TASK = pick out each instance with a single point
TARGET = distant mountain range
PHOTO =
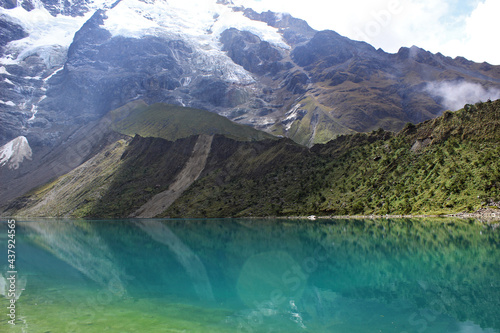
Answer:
(170, 70)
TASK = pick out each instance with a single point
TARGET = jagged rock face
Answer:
(327, 46)
(247, 50)
(295, 31)
(102, 73)
(10, 31)
(8, 4)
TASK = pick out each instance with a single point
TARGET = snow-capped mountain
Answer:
(155, 50)
(65, 63)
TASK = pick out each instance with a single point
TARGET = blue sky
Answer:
(466, 28)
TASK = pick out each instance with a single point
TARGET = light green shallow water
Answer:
(231, 275)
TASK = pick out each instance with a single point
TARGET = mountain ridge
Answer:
(445, 165)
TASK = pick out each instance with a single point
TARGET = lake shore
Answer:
(484, 214)
(488, 214)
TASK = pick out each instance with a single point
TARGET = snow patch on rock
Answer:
(48, 36)
(8, 103)
(14, 152)
(292, 115)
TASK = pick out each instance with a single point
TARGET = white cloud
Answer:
(455, 95)
(472, 36)
(452, 27)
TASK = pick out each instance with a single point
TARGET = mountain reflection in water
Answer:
(237, 275)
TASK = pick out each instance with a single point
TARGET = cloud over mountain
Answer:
(456, 94)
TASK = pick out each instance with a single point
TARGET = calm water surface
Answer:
(232, 275)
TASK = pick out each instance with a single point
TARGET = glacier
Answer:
(198, 23)
(204, 21)
(48, 36)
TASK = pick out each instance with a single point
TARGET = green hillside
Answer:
(449, 164)
(172, 122)
(446, 165)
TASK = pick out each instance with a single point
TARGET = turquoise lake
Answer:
(241, 275)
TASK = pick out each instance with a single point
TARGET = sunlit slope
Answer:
(172, 122)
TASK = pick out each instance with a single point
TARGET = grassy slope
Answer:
(173, 122)
(113, 184)
(374, 173)
(77, 192)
